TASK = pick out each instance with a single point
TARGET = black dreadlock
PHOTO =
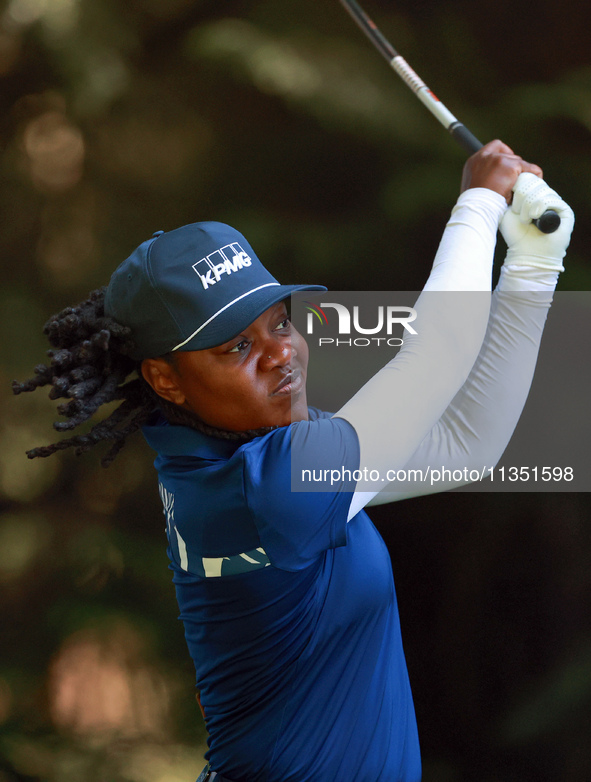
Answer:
(90, 367)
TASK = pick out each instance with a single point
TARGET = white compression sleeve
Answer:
(475, 429)
(477, 426)
(395, 410)
(464, 258)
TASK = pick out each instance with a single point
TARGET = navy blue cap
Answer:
(192, 289)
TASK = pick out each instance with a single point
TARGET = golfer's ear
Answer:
(163, 378)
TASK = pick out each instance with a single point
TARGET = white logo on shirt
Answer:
(167, 498)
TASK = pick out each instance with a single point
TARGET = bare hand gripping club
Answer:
(550, 220)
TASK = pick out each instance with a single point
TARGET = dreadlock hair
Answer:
(90, 366)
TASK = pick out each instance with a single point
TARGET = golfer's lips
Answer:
(290, 384)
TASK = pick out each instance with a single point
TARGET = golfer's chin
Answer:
(293, 408)
(270, 411)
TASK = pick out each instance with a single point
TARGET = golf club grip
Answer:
(548, 222)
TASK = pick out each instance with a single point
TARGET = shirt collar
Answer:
(168, 440)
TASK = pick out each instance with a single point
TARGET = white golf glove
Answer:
(533, 257)
(527, 245)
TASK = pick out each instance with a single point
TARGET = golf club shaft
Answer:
(550, 220)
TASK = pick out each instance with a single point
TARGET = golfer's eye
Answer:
(285, 324)
(239, 347)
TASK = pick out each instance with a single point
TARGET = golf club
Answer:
(550, 220)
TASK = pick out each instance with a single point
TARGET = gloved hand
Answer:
(527, 246)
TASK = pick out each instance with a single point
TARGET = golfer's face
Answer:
(257, 379)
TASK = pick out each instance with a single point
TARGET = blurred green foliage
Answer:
(119, 119)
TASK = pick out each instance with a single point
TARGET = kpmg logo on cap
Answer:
(226, 260)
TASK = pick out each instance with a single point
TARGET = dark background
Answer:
(122, 118)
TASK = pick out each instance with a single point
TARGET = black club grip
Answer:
(548, 222)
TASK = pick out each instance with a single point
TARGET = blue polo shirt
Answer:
(289, 611)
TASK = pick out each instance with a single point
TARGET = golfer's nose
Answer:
(276, 352)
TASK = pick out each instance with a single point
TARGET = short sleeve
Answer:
(296, 527)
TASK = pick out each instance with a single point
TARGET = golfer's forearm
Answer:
(475, 429)
(464, 258)
(397, 408)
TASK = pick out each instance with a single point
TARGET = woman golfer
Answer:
(287, 598)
